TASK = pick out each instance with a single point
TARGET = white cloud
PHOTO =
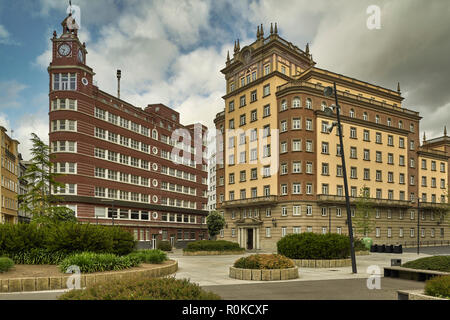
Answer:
(10, 92)
(5, 37)
(27, 124)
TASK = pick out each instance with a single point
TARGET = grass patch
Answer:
(436, 263)
(141, 288)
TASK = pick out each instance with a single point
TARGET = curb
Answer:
(264, 274)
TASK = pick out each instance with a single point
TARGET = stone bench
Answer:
(412, 274)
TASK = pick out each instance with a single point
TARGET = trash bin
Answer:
(372, 248)
(381, 248)
(396, 262)
(389, 249)
(367, 242)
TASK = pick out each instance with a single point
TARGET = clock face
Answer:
(85, 81)
(80, 56)
(64, 49)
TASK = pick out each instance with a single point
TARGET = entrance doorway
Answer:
(154, 241)
(172, 241)
(249, 239)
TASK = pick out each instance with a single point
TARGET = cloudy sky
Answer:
(171, 51)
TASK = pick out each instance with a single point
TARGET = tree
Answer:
(443, 208)
(215, 223)
(40, 180)
(363, 221)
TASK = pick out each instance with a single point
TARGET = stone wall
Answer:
(264, 274)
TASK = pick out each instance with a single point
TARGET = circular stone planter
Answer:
(264, 274)
(211, 253)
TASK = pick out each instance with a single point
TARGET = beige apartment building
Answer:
(9, 178)
(281, 171)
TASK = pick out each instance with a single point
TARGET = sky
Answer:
(171, 52)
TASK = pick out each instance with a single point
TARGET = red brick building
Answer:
(116, 158)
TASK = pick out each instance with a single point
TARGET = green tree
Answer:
(38, 201)
(443, 208)
(363, 220)
(215, 223)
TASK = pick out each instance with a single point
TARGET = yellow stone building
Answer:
(281, 170)
(9, 178)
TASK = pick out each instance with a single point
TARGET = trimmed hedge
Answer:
(51, 243)
(89, 262)
(438, 287)
(141, 288)
(311, 245)
(264, 261)
(213, 245)
(359, 245)
(164, 246)
(149, 256)
(6, 264)
(437, 263)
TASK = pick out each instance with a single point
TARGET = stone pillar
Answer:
(254, 238)
(239, 236)
(257, 238)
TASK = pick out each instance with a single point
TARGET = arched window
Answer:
(296, 102)
(323, 105)
(308, 103)
(377, 119)
(283, 105)
(389, 122)
(155, 134)
(365, 116)
(400, 124)
(352, 113)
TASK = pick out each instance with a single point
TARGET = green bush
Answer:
(359, 245)
(437, 263)
(212, 245)
(5, 264)
(264, 261)
(50, 243)
(38, 256)
(149, 256)
(438, 287)
(310, 245)
(164, 246)
(141, 288)
(89, 262)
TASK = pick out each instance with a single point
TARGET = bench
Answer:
(412, 274)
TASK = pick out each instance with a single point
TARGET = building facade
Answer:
(9, 176)
(281, 171)
(212, 182)
(116, 159)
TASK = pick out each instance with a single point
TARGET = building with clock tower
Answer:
(115, 159)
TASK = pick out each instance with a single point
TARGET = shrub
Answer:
(212, 245)
(164, 246)
(438, 263)
(359, 245)
(438, 287)
(141, 288)
(37, 256)
(6, 264)
(314, 246)
(149, 256)
(97, 262)
(264, 261)
(50, 243)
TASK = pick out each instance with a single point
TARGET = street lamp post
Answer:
(328, 92)
(418, 225)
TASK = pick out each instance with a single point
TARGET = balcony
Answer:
(327, 199)
(250, 202)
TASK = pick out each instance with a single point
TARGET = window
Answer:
(365, 117)
(266, 111)
(309, 125)
(309, 210)
(309, 146)
(268, 232)
(296, 123)
(366, 174)
(283, 126)
(296, 210)
(353, 132)
(390, 158)
(253, 96)
(378, 137)
(353, 152)
(297, 167)
(296, 145)
(266, 90)
(308, 103)
(284, 168)
(64, 81)
(283, 211)
(377, 119)
(390, 140)
(254, 173)
(231, 123)
(296, 188)
(325, 148)
(366, 135)
(367, 154)
(309, 188)
(352, 113)
(353, 173)
(283, 105)
(253, 116)
(401, 143)
(325, 169)
(242, 119)
(309, 167)
(296, 102)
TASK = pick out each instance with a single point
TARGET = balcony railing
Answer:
(379, 202)
(250, 201)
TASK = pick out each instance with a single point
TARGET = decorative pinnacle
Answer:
(257, 33)
(398, 87)
(228, 56)
(276, 29)
(424, 137)
(262, 31)
(307, 48)
(271, 28)
(54, 34)
(445, 130)
(238, 46)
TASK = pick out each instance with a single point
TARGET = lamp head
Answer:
(328, 91)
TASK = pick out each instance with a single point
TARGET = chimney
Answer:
(119, 74)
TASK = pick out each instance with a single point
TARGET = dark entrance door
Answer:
(249, 239)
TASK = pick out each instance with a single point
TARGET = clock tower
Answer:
(68, 70)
